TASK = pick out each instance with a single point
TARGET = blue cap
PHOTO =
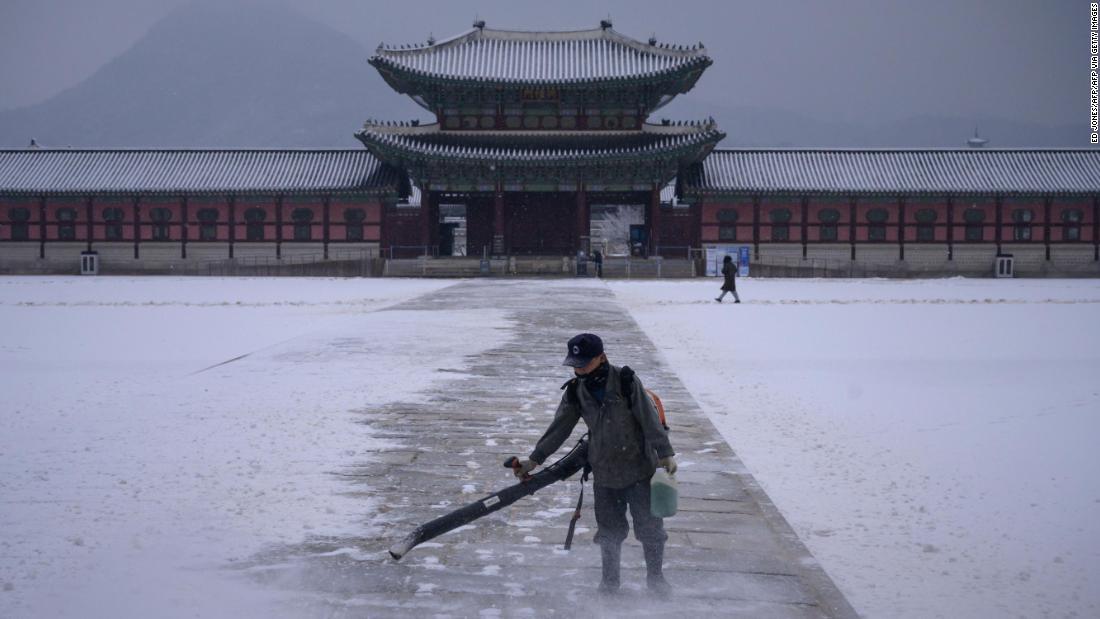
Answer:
(582, 349)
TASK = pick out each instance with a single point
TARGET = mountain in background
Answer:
(216, 75)
(246, 75)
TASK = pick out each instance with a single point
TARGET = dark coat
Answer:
(729, 271)
(624, 442)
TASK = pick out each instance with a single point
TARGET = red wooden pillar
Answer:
(279, 227)
(42, 227)
(1096, 228)
(1046, 227)
(326, 203)
(88, 225)
(654, 218)
(426, 202)
(901, 227)
(756, 229)
(498, 221)
(183, 228)
(232, 224)
(950, 228)
(997, 204)
(697, 223)
(584, 232)
(852, 200)
(803, 227)
(137, 227)
(433, 225)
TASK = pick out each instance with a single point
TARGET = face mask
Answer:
(597, 378)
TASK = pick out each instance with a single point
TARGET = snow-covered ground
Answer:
(933, 442)
(129, 471)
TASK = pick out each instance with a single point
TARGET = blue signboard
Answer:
(743, 261)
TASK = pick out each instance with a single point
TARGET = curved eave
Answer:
(394, 150)
(404, 79)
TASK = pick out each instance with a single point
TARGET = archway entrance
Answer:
(618, 224)
(452, 230)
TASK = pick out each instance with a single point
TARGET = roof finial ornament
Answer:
(653, 39)
(478, 22)
(976, 142)
(605, 24)
(33, 144)
(431, 38)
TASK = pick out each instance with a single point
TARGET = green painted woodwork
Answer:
(642, 94)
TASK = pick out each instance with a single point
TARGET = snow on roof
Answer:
(553, 57)
(137, 171)
(913, 170)
(419, 143)
(668, 193)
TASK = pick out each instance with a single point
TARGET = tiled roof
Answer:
(648, 135)
(190, 171)
(428, 141)
(878, 171)
(668, 193)
(540, 57)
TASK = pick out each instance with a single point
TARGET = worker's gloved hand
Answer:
(525, 466)
(668, 464)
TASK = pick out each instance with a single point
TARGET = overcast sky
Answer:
(850, 61)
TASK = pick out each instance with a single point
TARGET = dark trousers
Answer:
(611, 505)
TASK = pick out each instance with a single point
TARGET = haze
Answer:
(857, 62)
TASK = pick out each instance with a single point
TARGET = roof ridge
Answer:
(930, 149)
(586, 34)
(180, 150)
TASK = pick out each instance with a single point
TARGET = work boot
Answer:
(719, 299)
(654, 570)
(610, 554)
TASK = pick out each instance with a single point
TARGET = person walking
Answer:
(729, 271)
(598, 259)
(627, 442)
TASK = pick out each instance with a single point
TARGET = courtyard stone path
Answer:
(730, 553)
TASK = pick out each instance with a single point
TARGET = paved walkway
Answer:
(730, 553)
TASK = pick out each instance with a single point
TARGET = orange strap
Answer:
(660, 407)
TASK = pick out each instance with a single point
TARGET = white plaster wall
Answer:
(313, 250)
(254, 250)
(206, 250)
(18, 251)
(976, 258)
(121, 253)
(161, 251)
(832, 252)
(780, 253)
(931, 257)
(58, 251)
(886, 253)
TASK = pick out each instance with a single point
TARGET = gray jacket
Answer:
(624, 442)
